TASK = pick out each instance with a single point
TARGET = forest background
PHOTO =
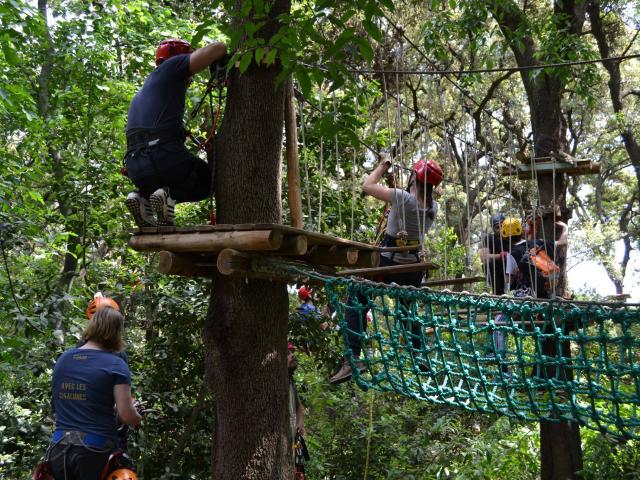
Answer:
(68, 70)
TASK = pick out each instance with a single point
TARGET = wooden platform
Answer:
(525, 171)
(198, 250)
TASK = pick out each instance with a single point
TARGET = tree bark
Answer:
(615, 84)
(245, 334)
(560, 445)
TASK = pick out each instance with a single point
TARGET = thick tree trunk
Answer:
(560, 445)
(246, 328)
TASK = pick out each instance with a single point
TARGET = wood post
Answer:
(184, 264)
(332, 255)
(293, 165)
(251, 240)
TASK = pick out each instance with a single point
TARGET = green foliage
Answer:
(65, 86)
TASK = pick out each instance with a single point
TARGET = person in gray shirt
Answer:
(412, 214)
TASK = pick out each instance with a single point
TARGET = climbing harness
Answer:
(301, 455)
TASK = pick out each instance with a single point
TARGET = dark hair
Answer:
(424, 192)
(105, 329)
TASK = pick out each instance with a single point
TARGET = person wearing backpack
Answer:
(534, 256)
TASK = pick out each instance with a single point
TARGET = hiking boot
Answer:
(164, 206)
(345, 372)
(140, 209)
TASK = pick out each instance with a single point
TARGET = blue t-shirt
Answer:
(307, 310)
(82, 386)
(159, 104)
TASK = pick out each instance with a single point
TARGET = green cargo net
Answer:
(524, 358)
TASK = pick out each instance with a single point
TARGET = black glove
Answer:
(218, 69)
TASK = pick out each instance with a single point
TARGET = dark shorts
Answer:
(170, 165)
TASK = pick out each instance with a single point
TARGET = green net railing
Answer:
(524, 358)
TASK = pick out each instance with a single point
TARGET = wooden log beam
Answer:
(213, 242)
(373, 272)
(333, 255)
(453, 281)
(232, 261)
(367, 259)
(293, 245)
(184, 264)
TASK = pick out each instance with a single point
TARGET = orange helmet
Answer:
(100, 302)
(123, 474)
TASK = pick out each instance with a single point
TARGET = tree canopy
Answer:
(475, 85)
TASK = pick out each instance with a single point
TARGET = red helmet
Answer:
(291, 347)
(122, 474)
(100, 302)
(170, 48)
(428, 171)
(304, 293)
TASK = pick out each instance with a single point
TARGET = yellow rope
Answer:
(366, 465)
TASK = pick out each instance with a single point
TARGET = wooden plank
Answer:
(315, 238)
(453, 281)
(260, 240)
(373, 272)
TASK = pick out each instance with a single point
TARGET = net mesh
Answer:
(524, 358)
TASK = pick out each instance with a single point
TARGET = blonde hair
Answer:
(105, 329)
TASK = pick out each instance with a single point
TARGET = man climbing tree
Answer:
(157, 161)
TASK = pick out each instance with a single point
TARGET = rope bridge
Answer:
(524, 358)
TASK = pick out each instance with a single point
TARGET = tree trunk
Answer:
(560, 445)
(63, 197)
(615, 84)
(246, 328)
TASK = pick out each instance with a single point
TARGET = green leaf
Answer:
(259, 55)
(365, 49)
(271, 56)
(9, 53)
(36, 196)
(245, 61)
(373, 30)
(305, 82)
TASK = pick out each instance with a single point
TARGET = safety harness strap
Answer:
(140, 138)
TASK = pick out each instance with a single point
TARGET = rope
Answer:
(453, 359)
(321, 172)
(475, 71)
(369, 435)
(306, 161)
(521, 381)
(6, 269)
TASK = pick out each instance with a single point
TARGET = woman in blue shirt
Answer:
(87, 382)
